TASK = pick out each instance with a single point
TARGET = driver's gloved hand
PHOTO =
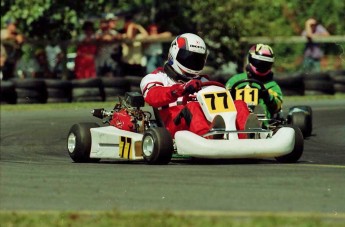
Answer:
(190, 87)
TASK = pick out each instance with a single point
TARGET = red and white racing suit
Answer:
(157, 92)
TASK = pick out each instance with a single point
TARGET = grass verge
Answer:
(166, 219)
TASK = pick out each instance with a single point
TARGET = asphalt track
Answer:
(38, 174)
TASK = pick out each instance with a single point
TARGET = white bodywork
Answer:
(112, 143)
(107, 144)
(190, 144)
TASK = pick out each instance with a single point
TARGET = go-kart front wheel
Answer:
(79, 142)
(157, 146)
(297, 151)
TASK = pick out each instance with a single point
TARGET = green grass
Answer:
(167, 219)
(110, 104)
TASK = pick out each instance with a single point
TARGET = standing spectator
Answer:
(85, 64)
(312, 52)
(3, 56)
(154, 50)
(133, 58)
(41, 67)
(117, 51)
(108, 41)
(12, 41)
(55, 58)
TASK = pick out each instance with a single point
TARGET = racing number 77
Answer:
(125, 147)
(213, 98)
(218, 102)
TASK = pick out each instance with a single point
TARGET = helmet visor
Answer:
(261, 66)
(191, 60)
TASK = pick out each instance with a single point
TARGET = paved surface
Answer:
(37, 173)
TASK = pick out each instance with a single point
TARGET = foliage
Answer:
(220, 22)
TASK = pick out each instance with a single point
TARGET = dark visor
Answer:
(191, 60)
(261, 66)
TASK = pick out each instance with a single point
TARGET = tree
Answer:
(220, 22)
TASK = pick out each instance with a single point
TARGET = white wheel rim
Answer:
(148, 145)
(71, 142)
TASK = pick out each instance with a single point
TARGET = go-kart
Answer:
(150, 141)
(250, 90)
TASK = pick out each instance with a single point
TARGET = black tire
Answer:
(8, 92)
(340, 79)
(87, 90)
(134, 80)
(79, 142)
(81, 94)
(303, 121)
(91, 82)
(297, 151)
(320, 76)
(58, 90)
(307, 109)
(339, 88)
(30, 90)
(115, 87)
(292, 92)
(118, 82)
(318, 86)
(157, 146)
(58, 84)
(135, 88)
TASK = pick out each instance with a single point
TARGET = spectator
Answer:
(12, 41)
(3, 56)
(154, 50)
(85, 64)
(41, 67)
(55, 58)
(108, 42)
(312, 52)
(117, 52)
(133, 58)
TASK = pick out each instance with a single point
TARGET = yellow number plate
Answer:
(218, 102)
(125, 147)
(248, 95)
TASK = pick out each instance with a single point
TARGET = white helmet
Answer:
(187, 55)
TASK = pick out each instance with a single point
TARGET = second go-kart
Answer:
(147, 139)
(249, 90)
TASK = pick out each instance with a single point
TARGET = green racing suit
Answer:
(272, 103)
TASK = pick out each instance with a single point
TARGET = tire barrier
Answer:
(58, 90)
(318, 84)
(134, 82)
(109, 88)
(30, 91)
(114, 87)
(338, 79)
(87, 90)
(8, 92)
(291, 84)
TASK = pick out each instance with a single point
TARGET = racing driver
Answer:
(259, 67)
(165, 87)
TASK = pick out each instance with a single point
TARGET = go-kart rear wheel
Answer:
(157, 146)
(297, 151)
(303, 121)
(79, 142)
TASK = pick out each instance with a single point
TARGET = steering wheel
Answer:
(250, 82)
(203, 84)
(210, 83)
